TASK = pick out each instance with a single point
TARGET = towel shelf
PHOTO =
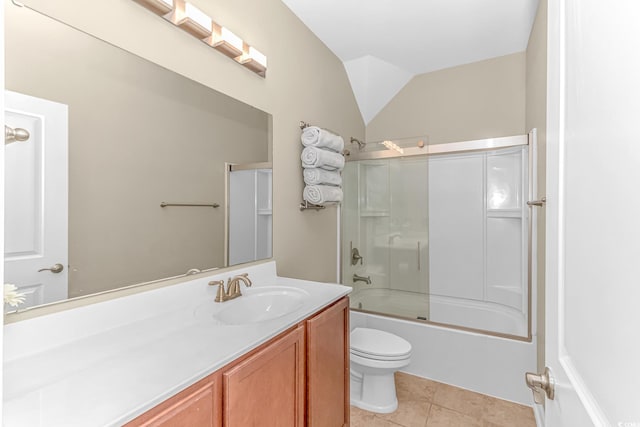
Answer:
(325, 156)
(212, 205)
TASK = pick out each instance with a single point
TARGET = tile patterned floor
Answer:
(426, 403)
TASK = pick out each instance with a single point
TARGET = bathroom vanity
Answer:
(302, 374)
(172, 356)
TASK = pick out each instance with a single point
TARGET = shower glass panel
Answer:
(386, 220)
(440, 238)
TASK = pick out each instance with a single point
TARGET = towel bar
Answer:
(306, 205)
(213, 205)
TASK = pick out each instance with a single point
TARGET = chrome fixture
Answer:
(366, 280)
(538, 203)
(17, 134)
(233, 287)
(56, 268)
(361, 144)
(541, 385)
(355, 256)
(212, 205)
(306, 205)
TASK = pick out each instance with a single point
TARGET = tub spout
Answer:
(366, 280)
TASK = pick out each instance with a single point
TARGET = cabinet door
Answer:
(267, 389)
(199, 405)
(328, 367)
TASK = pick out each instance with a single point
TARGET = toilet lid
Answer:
(378, 344)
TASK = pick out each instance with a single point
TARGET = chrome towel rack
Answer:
(212, 205)
(306, 205)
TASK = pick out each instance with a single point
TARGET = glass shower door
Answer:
(385, 236)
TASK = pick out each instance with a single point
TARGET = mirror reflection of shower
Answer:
(440, 232)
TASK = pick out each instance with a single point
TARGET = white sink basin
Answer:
(255, 305)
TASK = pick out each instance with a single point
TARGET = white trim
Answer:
(588, 401)
(538, 413)
(338, 244)
(2, 191)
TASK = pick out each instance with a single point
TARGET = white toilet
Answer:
(375, 356)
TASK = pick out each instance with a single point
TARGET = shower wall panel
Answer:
(456, 226)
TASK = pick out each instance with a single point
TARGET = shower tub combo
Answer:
(436, 242)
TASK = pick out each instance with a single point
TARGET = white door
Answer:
(36, 199)
(593, 213)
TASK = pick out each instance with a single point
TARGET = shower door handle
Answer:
(538, 203)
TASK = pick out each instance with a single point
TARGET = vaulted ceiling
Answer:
(384, 43)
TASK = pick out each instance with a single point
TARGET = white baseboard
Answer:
(538, 412)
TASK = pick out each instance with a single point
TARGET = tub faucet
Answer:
(233, 287)
(366, 280)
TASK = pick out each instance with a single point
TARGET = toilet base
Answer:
(373, 393)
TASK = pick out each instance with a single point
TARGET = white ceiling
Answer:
(384, 43)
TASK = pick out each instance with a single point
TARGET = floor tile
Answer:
(443, 417)
(502, 413)
(360, 418)
(410, 387)
(460, 400)
(410, 413)
(426, 403)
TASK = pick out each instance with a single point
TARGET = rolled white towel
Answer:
(313, 157)
(315, 176)
(313, 136)
(320, 194)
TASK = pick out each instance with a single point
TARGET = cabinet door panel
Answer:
(328, 367)
(267, 389)
(199, 405)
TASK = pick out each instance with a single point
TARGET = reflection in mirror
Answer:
(135, 135)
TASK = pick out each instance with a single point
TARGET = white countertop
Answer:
(105, 364)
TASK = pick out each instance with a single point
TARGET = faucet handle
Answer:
(355, 256)
(220, 295)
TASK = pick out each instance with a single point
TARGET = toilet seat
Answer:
(378, 357)
(378, 345)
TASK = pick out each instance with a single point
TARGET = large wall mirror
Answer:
(112, 136)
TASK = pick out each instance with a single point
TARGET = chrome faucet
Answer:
(366, 280)
(233, 287)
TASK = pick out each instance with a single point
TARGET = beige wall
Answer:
(479, 100)
(536, 117)
(305, 81)
(139, 135)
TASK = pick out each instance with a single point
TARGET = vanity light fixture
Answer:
(226, 42)
(160, 7)
(197, 23)
(255, 61)
(192, 20)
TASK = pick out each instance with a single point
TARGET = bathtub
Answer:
(486, 316)
(487, 364)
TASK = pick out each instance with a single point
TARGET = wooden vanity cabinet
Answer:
(328, 366)
(267, 389)
(198, 405)
(299, 378)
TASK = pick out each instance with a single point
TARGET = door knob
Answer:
(57, 268)
(541, 385)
